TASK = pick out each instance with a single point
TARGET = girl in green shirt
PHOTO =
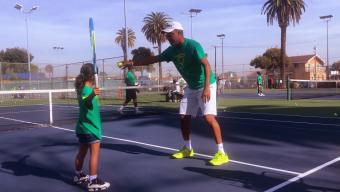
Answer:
(88, 129)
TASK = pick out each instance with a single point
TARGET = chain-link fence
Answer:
(61, 76)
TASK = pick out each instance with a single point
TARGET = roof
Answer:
(303, 59)
(300, 59)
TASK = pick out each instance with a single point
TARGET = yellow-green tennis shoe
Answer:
(183, 153)
(219, 159)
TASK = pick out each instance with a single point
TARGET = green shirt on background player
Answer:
(130, 79)
(259, 80)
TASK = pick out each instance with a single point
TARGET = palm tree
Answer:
(49, 71)
(154, 23)
(120, 40)
(285, 12)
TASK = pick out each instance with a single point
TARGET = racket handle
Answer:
(96, 80)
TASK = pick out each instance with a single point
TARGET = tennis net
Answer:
(307, 89)
(58, 107)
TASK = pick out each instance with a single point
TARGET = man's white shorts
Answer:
(192, 101)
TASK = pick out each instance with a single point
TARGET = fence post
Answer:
(0, 76)
(103, 75)
(289, 91)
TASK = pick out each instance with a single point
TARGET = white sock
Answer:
(92, 177)
(121, 108)
(136, 109)
(220, 147)
(188, 144)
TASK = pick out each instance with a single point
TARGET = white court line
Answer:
(242, 118)
(270, 120)
(160, 147)
(302, 175)
(12, 112)
(282, 121)
(280, 115)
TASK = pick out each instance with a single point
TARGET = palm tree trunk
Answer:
(282, 54)
(125, 60)
(160, 63)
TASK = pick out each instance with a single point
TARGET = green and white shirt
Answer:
(89, 118)
(259, 80)
(187, 59)
(130, 79)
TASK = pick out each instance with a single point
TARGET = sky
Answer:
(64, 23)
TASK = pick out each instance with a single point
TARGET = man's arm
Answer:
(146, 61)
(206, 89)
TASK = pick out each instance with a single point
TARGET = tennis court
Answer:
(269, 152)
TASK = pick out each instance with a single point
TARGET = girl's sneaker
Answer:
(80, 179)
(98, 185)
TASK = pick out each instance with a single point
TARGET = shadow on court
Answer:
(22, 168)
(125, 148)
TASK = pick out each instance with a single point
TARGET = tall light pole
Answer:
(126, 34)
(57, 49)
(222, 36)
(327, 18)
(215, 47)
(193, 13)
(21, 9)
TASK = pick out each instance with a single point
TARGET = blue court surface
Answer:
(268, 152)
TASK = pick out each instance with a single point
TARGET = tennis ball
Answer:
(120, 64)
(335, 114)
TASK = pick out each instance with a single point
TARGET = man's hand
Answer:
(206, 95)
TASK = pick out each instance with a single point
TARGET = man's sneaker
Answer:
(80, 179)
(97, 185)
(184, 152)
(219, 159)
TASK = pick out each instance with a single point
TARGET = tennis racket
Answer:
(93, 46)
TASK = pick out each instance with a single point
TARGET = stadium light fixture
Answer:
(327, 18)
(20, 8)
(193, 13)
(222, 36)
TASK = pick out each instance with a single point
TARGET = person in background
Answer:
(131, 93)
(259, 83)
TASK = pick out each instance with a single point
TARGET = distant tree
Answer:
(120, 39)
(140, 53)
(154, 23)
(15, 61)
(269, 60)
(49, 70)
(1, 55)
(336, 66)
(285, 12)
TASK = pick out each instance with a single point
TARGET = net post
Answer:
(50, 104)
(289, 91)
